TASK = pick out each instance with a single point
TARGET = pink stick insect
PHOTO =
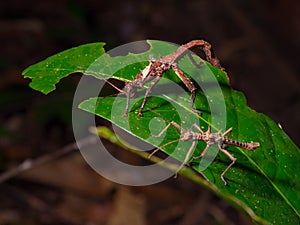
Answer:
(157, 67)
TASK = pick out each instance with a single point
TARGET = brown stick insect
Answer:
(219, 139)
(157, 67)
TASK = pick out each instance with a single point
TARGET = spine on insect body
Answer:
(249, 146)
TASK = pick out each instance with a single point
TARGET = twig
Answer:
(31, 163)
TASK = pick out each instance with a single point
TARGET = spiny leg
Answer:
(189, 84)
(227, 132)
(190, 151)
(163, 131)
(202, 154)
(230, 165)
(157, 149)
(198, 128)
(137, 82)
(153, 83)
(127, 102)
(172, 123)
(176, 125)
(187, 157)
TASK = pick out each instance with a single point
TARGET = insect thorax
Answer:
(214, 138)
(187, 136)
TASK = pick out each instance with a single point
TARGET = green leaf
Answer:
(46, 74)
(264, 183)
(106, 133)
(264, 179)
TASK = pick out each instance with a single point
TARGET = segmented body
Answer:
(249, 146)
(209, 138)
(156, 68)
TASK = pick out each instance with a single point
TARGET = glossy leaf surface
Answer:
(265, 182)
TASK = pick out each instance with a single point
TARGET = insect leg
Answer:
(157, 149)
(163, 131)
(187, 157)
(189, 84)
(128, 96)
(172, 123)
(230, 165)
(153, 83)
(198, 128)
(227, 132)
(202, 154)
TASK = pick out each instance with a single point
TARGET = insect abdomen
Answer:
(248, 146)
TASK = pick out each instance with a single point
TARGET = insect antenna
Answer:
(121, 92)
(115, 87)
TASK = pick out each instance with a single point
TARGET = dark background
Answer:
(256, 41)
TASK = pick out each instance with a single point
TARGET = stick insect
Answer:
(219, 139)
(157, 67)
